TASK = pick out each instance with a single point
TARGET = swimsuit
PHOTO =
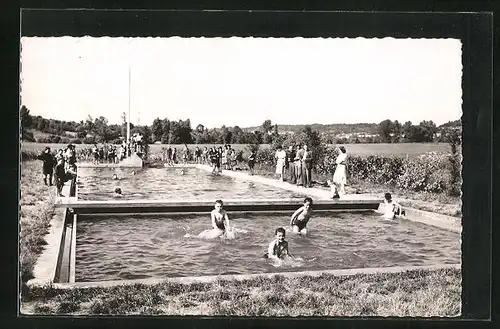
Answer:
(220, 223)
(300, 222)
(279, 250)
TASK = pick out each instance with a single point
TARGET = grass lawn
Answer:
(36, 211)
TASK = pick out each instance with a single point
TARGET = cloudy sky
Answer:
(243, 81)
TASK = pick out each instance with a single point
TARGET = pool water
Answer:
(118, 247)
(169, 183)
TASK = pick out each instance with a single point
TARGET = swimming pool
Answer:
(122, 247)
(169, 183)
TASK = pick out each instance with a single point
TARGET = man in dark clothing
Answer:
(62, 176)
(48, 165)
(290, 165)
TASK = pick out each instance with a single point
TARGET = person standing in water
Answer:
(301, 216)
(278, 248)
(392, 208)
(220, 223)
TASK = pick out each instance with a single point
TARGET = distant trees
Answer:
(165, 131)
(394, 132)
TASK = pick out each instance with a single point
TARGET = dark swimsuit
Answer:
(279, 250)
(300, 223)
(220, 224)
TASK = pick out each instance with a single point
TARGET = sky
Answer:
(243, 81)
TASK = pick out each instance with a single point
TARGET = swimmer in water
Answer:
(392, 208)
(278, 248)
(182, 172)
(115, 177)
(133, 172)
(301, 216)
(118, 192)
(220, 222)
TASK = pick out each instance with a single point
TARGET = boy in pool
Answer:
(278, 248)
(301, 216)
(118, 192)
(392, 208)
(220, 222)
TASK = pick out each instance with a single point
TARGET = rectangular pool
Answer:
(169, 183)
(123, 247)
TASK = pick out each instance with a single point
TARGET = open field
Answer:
(399, 149)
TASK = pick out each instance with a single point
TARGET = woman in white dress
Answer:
(340, 176)
(280, 162)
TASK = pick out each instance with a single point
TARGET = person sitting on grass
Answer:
(392, 208)
(301, 216)
(278, 248)
(220, 223)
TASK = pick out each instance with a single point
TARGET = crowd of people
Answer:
(218, 157)
(293, 165)
(58, 167)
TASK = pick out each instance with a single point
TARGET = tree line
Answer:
(99, 130)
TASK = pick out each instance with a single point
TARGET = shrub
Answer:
(418, 173)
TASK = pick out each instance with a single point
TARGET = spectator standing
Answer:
(291, 165)
(307, 159)
(48, 165)
(298, 163)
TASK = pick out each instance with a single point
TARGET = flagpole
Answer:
(128, 119)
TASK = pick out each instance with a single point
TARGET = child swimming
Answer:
(392, 208)
(301, 216)
(220, 223)
(278, 248)
(118, 192)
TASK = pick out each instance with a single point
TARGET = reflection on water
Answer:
(168, 183)
(128, 247)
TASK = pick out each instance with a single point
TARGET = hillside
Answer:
(337, 128)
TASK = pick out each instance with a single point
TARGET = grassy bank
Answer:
(413, 293)
(36, 211)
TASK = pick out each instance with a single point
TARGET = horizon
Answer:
(256, 126)
(237, 80)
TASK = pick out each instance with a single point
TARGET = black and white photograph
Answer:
(241, 176)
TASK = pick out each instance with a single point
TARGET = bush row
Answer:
(52, 139)
(430, 172)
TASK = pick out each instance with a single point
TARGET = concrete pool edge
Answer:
(212, 278)
(47, 264)
(441, 221)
